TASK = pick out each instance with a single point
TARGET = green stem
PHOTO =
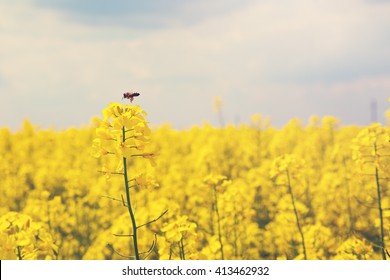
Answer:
(348, 198)
(296, 215)
(218, 222)
(212, 207)
(170, 252)
(128, 200)
(20, 253)
(183, 257)
(235, 246)
(378, 188)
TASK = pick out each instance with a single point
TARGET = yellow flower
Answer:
(21, 238)
(114, 109)
(287, 162)
(151, 157)
(144, 180)
(175, 230)
(124, 132)
(106, 172)
(97, 149)
(371, 147)
(103, 133)
(214, 179)
(354, 249)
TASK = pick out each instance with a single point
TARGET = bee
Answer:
(130, 95)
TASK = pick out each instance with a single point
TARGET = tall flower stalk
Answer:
(284, 167)
(372, 154)
(124, 133)
(296, 214)
(176, 233)
(218, 185)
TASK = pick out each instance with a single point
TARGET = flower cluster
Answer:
(181, 239)
(23, 239)
(175, 231)
(287, 163)
(372, 148)
(124, 132)
(354, 249)
(217, 182)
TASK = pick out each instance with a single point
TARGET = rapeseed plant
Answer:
(288, 166)
(218, 184)
(372, 154)
(124, 133)
(180, 233)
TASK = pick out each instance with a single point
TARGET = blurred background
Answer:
(63, 61)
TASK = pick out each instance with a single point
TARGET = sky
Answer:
(63, 61)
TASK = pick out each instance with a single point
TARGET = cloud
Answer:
(280, 58)
(144, 14)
